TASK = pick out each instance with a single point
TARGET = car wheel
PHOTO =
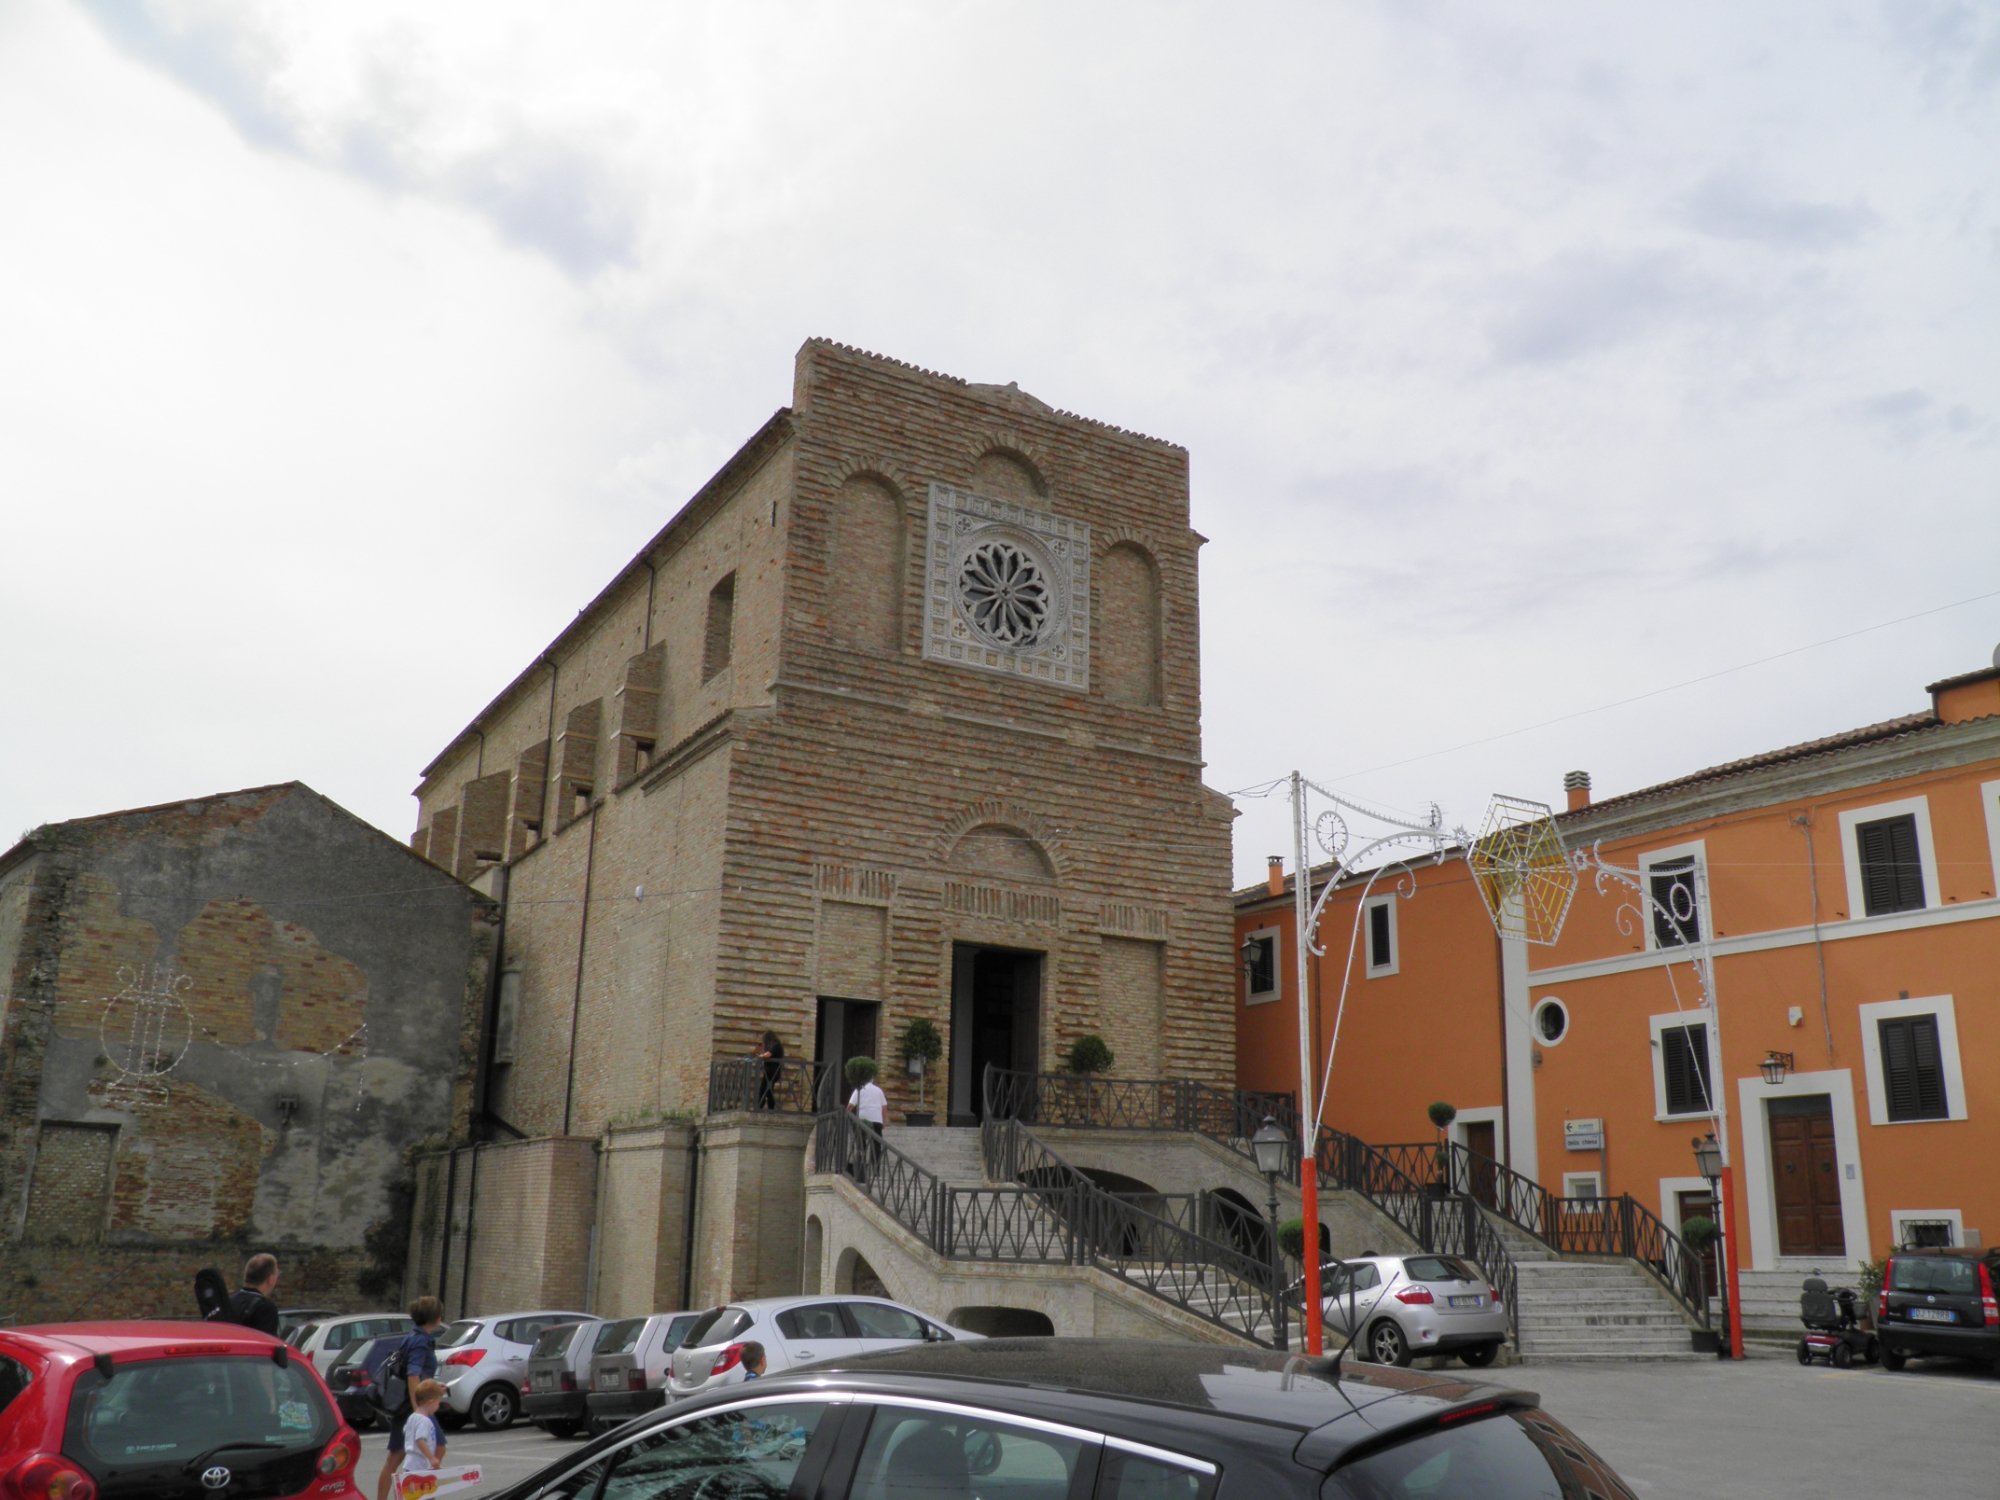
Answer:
(1386, 1344)
(1892, 1359)
(1805, 1352)
(494, 1407)
(1479, 1356)
(1843, 1357)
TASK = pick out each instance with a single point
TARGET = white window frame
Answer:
(1573, 1185)
(1716, 1082)
(1940, 1006)
(1850, 854)
(1395, 963)
(1900, 1216)
(1535, 1021)
(1277, 989)
(1989, 798)
(1704, 928)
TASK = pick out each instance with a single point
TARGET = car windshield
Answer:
(718, 1325)
(1519, 1456)
(1922, 1273)
(553, 1343)
(451, 1336)
(618, 1337)
(243, 1408)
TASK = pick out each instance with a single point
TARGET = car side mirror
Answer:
(936, 1335)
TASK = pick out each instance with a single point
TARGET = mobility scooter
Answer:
(1833, 1332)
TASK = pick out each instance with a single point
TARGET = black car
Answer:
(352, 1379)
(1939, 1302)
(1088, 1419)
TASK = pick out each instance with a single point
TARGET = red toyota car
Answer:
(204, 1411)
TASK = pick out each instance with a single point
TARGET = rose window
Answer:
(1004, 592)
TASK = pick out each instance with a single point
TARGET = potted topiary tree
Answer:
(922, 1045)
(1087, 1055)
(1442, 1114)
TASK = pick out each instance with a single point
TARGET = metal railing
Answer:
(1060, 1099)
(1166, 1254)
(787, 1085)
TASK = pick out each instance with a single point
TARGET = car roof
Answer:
(1152, 1391)
(142, 1336)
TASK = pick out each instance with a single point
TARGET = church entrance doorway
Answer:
(847, 1028)
(996, 1016)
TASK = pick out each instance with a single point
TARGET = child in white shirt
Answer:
(423, 1440)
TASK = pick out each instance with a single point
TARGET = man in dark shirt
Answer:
(251, 1304)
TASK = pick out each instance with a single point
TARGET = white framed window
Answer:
(1589, 1185)
(1378, 933)
(1989, 799)
(1909, 1049)
(1675, 880)
(1923, 1228)
(1549, 1021)
(1262, 982)
(1890, 860)
(1686, 1070)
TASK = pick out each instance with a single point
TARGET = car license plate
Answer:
(610, 1380)
(1474, 1301)
(544, 1381)
(1933, 1315)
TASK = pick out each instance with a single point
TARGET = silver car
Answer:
(482, 1362)
(1407, 1305)
(796, 1331)
(324, 1342)
(628, 1373)
(559, 1376)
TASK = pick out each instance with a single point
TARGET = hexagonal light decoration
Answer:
(1523, 872)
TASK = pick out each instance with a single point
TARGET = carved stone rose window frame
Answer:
(1007, 589)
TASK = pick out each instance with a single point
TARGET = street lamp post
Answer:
(1708, 1164)
(1270, 1146)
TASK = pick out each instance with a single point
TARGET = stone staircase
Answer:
(1591, 1310)
(950, 1152)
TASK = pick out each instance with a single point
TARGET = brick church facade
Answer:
(899, 717)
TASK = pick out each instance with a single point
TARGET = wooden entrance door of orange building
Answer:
(1805, 1176)
(1479, 1138)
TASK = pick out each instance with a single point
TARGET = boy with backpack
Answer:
(410, 1362)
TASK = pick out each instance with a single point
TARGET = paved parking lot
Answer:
(1762, 1429)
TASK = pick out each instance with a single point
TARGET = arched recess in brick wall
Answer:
(1127, 632)
(1000, 852)
(865, 568)
(1003, 474)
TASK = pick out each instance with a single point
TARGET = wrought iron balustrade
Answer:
(792, 1086)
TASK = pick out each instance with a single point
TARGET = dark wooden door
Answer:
(1698, 1205)
(1479, 1141)
(1805, 1172)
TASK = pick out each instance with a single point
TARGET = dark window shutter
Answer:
(1684, 1060)
(1676, 921)
(1892, 872)
(1379, 955)
(1913, 1069)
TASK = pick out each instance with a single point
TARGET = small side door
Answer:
(810, 1331)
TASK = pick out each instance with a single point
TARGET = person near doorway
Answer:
(773, 1052)
(251, 1304)
(869, 1104)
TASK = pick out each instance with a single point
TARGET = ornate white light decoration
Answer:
(1523, 873)
(146, 1028)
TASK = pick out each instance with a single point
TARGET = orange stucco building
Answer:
(1830, 906)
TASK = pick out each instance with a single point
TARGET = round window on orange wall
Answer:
(1550, 1020)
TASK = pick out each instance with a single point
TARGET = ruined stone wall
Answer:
(229, 1019)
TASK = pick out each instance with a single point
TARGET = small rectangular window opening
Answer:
(1381, 948)
(1684, 1061)
(1892, 870)
(1676, 920)
(718, 639)
(1913, 1068)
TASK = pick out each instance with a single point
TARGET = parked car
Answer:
(355, 1376)
(796, 1331)
(165, 1409)
(1939, 1302)
(558, 1378)
(325, 1341)
(292, 1319)
(1045, 1419)
(1406, 1305)
(628, 1373)
(482, 1362)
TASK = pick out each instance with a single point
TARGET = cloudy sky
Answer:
(1566, 385)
